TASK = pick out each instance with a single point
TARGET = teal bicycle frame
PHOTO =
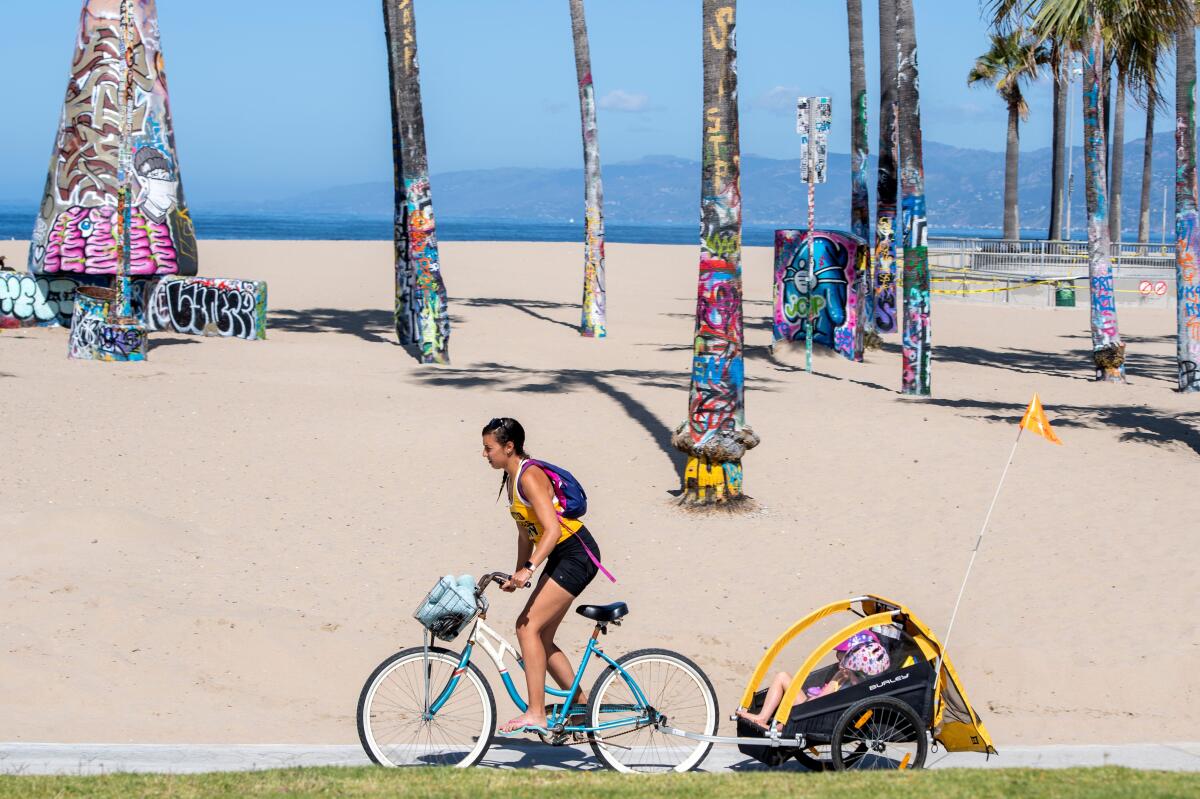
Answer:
(498, 648)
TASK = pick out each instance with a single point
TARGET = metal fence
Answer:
(1047, 258)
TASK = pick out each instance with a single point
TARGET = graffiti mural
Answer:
(76, 231)
(841, 265)
(208, 306)
(885, 270)
(96, 337)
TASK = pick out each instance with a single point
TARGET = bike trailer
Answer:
(915, 691)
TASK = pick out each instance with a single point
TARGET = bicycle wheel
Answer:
(881, 733)
(391, 719)
(674, 687)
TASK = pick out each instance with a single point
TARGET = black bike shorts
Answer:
(570, 566)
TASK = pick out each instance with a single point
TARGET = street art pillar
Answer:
(593, 321)
(860, 200)
(1187, 229)
(883, 265)
(715, 436)
(1108, 352)
(421, 314)
(78, 231)
(915, 379)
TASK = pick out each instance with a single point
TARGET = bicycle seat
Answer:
(603, 612)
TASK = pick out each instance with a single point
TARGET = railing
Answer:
(1046, 258)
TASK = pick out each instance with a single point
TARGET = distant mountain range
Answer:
(964, 187)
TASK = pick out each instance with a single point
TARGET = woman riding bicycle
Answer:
(569, 567)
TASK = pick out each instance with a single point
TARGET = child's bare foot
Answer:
(760, 720)
(524, 720)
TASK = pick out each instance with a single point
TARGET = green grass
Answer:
(479, 783)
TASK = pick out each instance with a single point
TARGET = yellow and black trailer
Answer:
(881, 721)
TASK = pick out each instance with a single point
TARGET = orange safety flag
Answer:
(1035, 420)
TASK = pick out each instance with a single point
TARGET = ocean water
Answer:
(18, 224)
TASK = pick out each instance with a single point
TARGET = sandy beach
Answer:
(219, 544)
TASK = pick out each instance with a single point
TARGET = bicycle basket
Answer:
(446, 610)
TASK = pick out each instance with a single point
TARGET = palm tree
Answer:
(421, 314)
(860, 201)
(1187, 226)
(1013, 58)
(715, 436)
(593, 321)
(1108, 352)
(917, 344)
(1059, 64)
(1152, 103)
(884, 300)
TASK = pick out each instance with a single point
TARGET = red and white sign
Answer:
(1160, 288)
(1145, 287)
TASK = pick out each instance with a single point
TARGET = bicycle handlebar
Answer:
(499, 578)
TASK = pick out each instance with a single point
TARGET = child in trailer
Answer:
(861, 655)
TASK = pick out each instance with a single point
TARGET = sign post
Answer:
(813, 119)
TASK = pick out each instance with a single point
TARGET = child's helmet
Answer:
(857, 640)
(869, 659)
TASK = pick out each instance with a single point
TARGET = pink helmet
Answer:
(857, 640)
(869, 659)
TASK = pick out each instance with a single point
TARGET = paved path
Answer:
(45, 758)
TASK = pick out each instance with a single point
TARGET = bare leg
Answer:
(771, 701)
(557, 663)
(549, 602)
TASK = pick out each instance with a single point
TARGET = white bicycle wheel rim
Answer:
(483, 739)
(701, 749)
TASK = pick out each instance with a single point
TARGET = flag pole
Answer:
(974, 553)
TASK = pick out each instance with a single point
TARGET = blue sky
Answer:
(274, 98)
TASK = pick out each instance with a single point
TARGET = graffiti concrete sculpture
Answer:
(208, 307)
(97, 334)
(76, 231)
(838, 299)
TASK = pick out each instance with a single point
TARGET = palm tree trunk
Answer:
(1147, 171)
(421, 314)
(593, 321)
(1108, 353)
(1012, 163)
(715, 437)
(1058, 171)
(860, 201)
(1118, 161)
(885, 187)
(1187, 227)
(915, 378)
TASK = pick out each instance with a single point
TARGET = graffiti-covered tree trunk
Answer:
(884, 265)
(860, 201)
(715, 436)
(1147, 171)
(421, 315)
(593, 322)
(1108, 353)
(917, 347)
(1187, 230)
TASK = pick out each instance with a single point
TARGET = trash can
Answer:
(1064, 294)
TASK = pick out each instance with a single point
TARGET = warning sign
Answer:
(1160, 288)
(1145, 287)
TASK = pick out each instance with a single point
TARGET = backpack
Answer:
(570, 494)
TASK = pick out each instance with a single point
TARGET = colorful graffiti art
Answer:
(96, 337)
(76, 231)
(841, 266)
(208, 307)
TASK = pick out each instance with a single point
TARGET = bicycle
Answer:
(427, 705)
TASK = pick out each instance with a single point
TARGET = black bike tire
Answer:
(856, 710)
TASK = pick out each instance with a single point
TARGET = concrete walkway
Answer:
(47, 758)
